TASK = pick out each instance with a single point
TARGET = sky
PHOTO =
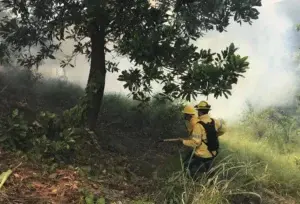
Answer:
(269, 43)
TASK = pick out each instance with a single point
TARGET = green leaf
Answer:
(3, 138)
(4, 176)
(101, 201)
(23, 134)
(51, 57)
(15, 113)
(89, 199)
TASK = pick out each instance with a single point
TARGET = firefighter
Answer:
(203, 139)
(190, 117)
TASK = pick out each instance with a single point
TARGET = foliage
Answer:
(42, 138)
(76, 116)
(259, 158)
(4, 176)
(57, 95)
(22, 85)
(274, 124)
(245, 168)
(158, 39)
(298, 27)
(227, 180)
(278, 169)
(90, 198)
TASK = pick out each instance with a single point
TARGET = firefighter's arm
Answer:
(195, 138)
(220, 127)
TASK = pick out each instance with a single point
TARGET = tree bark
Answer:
(97, 75)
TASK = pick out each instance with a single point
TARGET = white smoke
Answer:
(269, 81)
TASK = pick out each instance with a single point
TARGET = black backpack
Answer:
(211, 136)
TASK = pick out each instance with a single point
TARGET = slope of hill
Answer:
(122, 161)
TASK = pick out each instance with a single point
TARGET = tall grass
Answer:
(252, 167)
(259, 161)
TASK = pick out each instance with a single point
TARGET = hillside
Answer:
(122, 161)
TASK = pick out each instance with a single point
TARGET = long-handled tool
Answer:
(170, 140)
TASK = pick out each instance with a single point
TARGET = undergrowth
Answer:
(258, 163)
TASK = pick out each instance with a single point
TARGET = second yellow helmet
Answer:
(203, 105)
(189, 110)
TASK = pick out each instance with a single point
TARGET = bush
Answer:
(41, 138)
(155, 120)
(57, 95)
(278, 127)
(22, 85)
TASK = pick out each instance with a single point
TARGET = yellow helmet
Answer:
(189, 110)
(203, 105)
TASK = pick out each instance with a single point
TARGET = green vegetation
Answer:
(121, 161)
(48, 154)
(157, 39)
(258, 163)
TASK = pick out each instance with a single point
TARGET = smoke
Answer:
(271, 79)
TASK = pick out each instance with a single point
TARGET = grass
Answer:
(247, 170)
(258, 162)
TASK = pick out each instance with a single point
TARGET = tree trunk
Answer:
(97, 75)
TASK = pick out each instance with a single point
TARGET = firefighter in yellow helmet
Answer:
(190, 117)
(203, 139)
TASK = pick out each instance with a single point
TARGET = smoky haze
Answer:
(269, 43)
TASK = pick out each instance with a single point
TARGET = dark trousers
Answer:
(197, 164)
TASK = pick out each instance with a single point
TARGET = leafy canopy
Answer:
(158, 40)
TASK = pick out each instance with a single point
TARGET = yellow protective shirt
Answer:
(198, 134)
(190, 124)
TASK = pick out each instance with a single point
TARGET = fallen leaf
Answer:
(95, 186)
(53, 176)
(66, 178)
(54, 191)
(17, 175)
(74, 186)
(4, 176)
(37, 185)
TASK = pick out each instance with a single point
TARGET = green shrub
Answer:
(57, 95)
(155, 120)
(41, 138)
(274, 125)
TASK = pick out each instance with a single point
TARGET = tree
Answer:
(159, 40)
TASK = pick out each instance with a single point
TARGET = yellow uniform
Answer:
(198, 134)
(190, 124)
